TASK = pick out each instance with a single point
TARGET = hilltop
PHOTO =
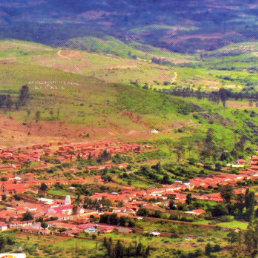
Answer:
(181, 26)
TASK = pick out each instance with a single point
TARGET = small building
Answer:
(155, 233)
(91, 230)
(3, 226)
(154, 131)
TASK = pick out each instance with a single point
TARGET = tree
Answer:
(147, 252)
(119, 249)
(43, 187)
(23, 95)
(17, 197)
(249, 204)
(165, 180)
(224, 95)
(239, 205)
(251, 238)
(2, 243)
(9, 102)
(227, 192)
(180, 151)
(37, 116)
(44, 225)
(219, 210)
(208, 249)
(210, 149)
(105, 156)
(189, 198)
(143, 212)
(216, 248)
(239, 146)
(139, 249)
(172, 205)
(27, 216)
(232, 237)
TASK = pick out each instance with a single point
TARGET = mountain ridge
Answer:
(181, 26)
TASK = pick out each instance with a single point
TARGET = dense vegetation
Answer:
(182, 26)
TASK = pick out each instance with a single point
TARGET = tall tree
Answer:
(251, 238)
(24, 95)
(227, 193)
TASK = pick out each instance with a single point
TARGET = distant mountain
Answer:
(177, 25)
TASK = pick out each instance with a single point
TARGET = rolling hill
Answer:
(71, 99)
(181, 26)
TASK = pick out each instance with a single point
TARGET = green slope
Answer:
(82, 100)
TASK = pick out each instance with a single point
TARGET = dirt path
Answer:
(59, 53)
(174, 78)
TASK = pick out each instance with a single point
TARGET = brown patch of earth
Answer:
(18, 134)
(240, 105)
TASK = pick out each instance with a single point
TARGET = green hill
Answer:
(72, 104)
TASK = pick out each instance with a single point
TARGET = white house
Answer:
(3, 226)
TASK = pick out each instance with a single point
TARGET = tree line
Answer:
(7, 101)
(119, 249)
(113, 219)
(222, 95)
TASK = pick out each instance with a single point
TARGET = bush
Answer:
(226, 218)
(217, 248)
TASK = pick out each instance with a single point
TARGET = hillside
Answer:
(181, 26)
(128, 128)
(155, 69)
(69, 101)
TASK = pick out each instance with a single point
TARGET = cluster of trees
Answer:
(209, 249)
(162, 61)
(5, 241)
(213, 152)
(153, 174)
(190, 203)
(118, 158)
(27, 216)
(149, 213)
(113, 219)
(6, 100)
(241, 206)
(222, 95)
(103, 204)
(244, 244)
(119, 249)
(167, 173)
(104, 157)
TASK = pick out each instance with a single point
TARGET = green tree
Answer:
(239, 205)
(43, 187)
(210, 149)
(232, 237)
(227, 193)
(249, 205)
(119, 249)
(2, 243)
(189, 198)
(251, 237)
(219, 210)
(23, 95)
(27, 216)
(44, 225)
(143, 212)
(208, 249)
(139, 249)
(37, 116)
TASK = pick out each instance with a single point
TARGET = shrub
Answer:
(226, 218)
